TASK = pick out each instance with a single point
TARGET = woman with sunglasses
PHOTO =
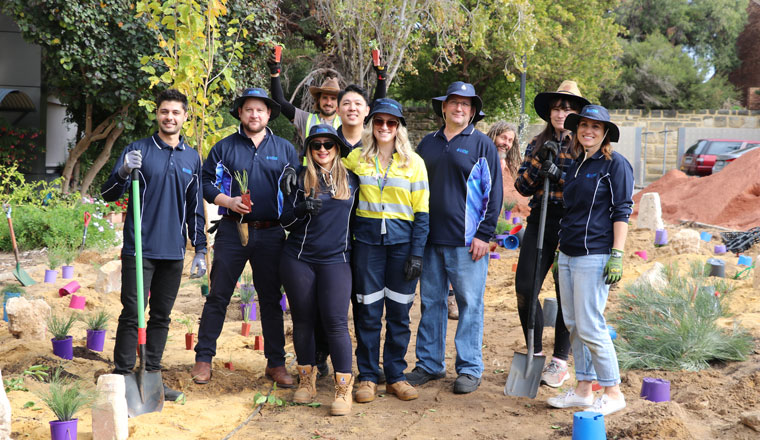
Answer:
(315, 265)
(390, 230)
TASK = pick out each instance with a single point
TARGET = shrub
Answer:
(65, 396)
(18, 145)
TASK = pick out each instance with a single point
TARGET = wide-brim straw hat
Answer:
(596, 113)
(567, 90)
(329, 86)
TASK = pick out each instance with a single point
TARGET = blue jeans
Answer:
(444, 264)
(584, 296)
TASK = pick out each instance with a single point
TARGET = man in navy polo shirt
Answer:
(465, 199)
(264, 156)
(172, 212)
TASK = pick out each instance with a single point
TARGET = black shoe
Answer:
(323, 370)
(418, 376)
(171, 395)
(466, 383)
(381, 375)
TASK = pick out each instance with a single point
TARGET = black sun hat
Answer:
(328, 131)
(567, 90)
(258, 93)
(597, 113)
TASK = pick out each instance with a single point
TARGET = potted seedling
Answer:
(509, 205)
(245, 329)
(96, 329)
(67, 255)
(65, 397)
(55, 256)
(62, 341)
(241, 177)
(228, 365)
(189, 336)
(8, 293)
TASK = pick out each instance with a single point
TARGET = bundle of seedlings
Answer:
(675, 327)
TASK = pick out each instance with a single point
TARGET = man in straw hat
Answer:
(552, 107)
(255, 150)
(465, 201)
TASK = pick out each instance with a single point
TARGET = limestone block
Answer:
(109, 414)
(655, 276)
(650, 212)
(751, 419)
(5, 413)
(28, 319)
(686, 241)
(109, 277)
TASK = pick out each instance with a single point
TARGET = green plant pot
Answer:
(204, 290)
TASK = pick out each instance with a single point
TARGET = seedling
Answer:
(65, 397)
(60, 326)
(189, 324)
(271, 399)
(97, 320)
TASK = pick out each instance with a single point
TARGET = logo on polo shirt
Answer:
(187, 170)
(463, 151)
(272, 157)
(591, 175)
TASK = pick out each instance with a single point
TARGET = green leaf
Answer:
(28, 404)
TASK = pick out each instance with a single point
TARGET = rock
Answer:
(27, 319)
(5, 413)
(751, 419)
(655, 276)
(109, 277)
(686, 241)
(109, 414)
(650, 212)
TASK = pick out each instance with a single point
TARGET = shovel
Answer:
(18, 272)
(144, 389)
(525, 372)
(84, 235)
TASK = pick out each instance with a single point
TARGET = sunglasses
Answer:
(389, 123)
(318, 146)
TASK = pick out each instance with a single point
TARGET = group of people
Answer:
(367, 216)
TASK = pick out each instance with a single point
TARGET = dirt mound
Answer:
(730, 198)
(666, 420)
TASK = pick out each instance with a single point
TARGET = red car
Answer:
(698, 160)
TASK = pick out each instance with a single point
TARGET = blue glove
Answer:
(198, 267)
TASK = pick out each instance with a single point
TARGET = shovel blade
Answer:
(151, 399)
(524, 379)
(22, 276)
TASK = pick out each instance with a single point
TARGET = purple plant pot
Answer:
(68, 289)
(515, 220)
(63, 348)
(77, 302)
(251, 311)
(66, 430)
(507, 215)
(67, 272)
(495, 256)
(660, 237)
(96, 339)
(720, 249)
(500, 238)
(655, 390)
(284, 303)
(50, 276)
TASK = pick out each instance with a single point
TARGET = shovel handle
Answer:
(10, 230)
(86, 218)
(135, 201)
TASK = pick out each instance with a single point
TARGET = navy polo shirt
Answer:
(324, 238)
(345, 141)
(264, 165)
(465, 186)
(170, 199)
(597, 193)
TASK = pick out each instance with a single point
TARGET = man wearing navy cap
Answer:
(257, 151)
(465, 199)
(172, 212)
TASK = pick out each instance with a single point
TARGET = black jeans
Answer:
(161, 278)
(526, 265)
(230, 257)
(319, 290)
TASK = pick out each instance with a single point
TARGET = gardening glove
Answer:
(547, 149)
(311, 205)
(274, 66)
(555, 265)
(288, 181)
(132, 160)
(198, 267)
(380, 71)
(613, 270)
(548, 169)
(413, 267)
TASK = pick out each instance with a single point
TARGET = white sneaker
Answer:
(554, 374)
(607, 405)
(570, 399)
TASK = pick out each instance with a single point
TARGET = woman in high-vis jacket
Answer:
(390, 230)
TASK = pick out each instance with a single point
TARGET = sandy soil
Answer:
(705, 405)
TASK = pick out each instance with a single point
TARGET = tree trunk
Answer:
(101, 160)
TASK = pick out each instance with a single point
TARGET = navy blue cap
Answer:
(596, 113)
(465, 90)
(328, 131)
(389, 107)
(259, 93)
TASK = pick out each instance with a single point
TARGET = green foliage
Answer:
(268, 399)
(241, 177)
(675, 328)
(60, 326)
(188, 322)
(97, 320)
(37, 372)
(15, 190)
(13, 289)
(502, 226)
(65, 397)
(55, 257)
(18, 145)
(509, 204)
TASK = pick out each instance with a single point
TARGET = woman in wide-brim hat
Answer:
(598, 197)
(552, 107)
(315, 265)
(390, 230)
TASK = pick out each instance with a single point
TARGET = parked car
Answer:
(723, 159)
(699, 158)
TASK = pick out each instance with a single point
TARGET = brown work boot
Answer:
(453, 309)
(402, 390)
(201, 372)
(279, 375)
(307, 386)
(341, 406)
(366, 391)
